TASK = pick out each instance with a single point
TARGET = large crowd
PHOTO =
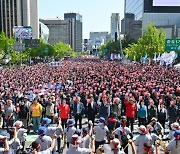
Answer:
(53, 101)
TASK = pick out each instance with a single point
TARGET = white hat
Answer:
(115, 143)
(18, 124)
(175, 126)
(142, 130)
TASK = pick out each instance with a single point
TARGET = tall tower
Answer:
(19, 13)
(115, 22)
(76, 30)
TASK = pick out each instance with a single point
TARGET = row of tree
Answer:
(58, 50)
(151, 42)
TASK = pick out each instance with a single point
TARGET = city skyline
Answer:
(93, 12)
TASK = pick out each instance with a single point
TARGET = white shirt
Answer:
(78, 150)
(100, 132)
(170, 136)
(172, 147)
(48, 151)
(21, 134)
(140, 140)
(45, 142)
(69, 133)
(118, 131)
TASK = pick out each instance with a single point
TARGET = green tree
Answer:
(44, 50)
(6, 43)
(151, 42)
(61, 50)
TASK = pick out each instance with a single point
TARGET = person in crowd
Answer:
(172, 112)
(52, 129)
(116, 107)
(100, 132)
(9, 113)
(37, 146)
(175, 126)
(131, 109)
(143, 138)
(78, 111)
(75, 148)
(14, 142)
(36, 109)
(123, 133)
(27, 102)
(152, 110)
(142, 113)
(51, 109)
(64, 110)
(23, 115)
(69, 131)
(21, 133)
(113, 122)
(1, 120)
(91, 109)
(43, 102)
(4, 146)
(162, 114)
(153, 135)
(86, 136)
(174, 146)
(104, 106)
(156, 127)
(44, 140)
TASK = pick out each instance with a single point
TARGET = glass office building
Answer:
(76, 30)
(135, 7)
(165, 14)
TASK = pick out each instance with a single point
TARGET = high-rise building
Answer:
(132, 27)
(163, 14)
(97, 39)
(115, 24)
(43, 32)
(19, 13)
(76, 30)
(59, 30)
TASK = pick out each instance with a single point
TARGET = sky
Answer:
(96, 14)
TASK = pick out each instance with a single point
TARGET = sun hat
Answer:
(46, 122)
(175, 126)
(142, 130)
(18, 124)
(71, 122)
(102, 120)
(42, 131)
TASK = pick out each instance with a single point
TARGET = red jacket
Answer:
(130, 109)
(64, 111)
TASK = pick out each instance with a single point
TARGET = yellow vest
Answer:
(36, 110)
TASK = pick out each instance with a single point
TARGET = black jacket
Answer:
(91, 112)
